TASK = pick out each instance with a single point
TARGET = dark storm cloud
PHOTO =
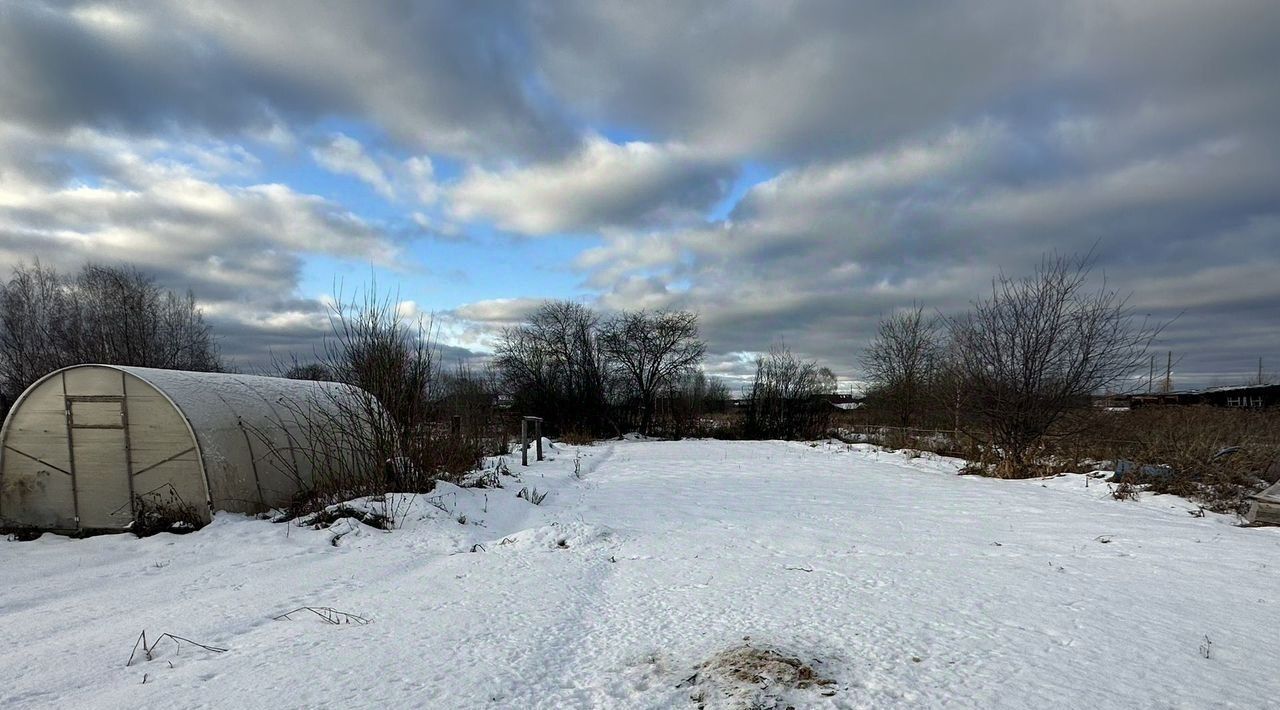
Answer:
(927, 149)
(445, 77)
(815, 256)
(809, 79)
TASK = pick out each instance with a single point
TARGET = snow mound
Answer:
(557, 536)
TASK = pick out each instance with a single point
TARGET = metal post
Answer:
(524, 442)
(537, 429)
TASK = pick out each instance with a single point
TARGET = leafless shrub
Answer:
(313, 371)
(163, 510)
(781, 403)
(902, 364)
(1034, 351)
(390, 422)
(577, 438)
(688, 406)
(468, 423)
(1124, 490)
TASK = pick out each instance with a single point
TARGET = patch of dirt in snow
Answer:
(750, 676)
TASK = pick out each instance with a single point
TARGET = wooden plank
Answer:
(1264, 513)
(102, 479)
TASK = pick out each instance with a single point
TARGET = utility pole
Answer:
(1260, 372)
(1168, 373)
(1151, 376)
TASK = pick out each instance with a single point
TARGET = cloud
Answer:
(239, 248)
(816, 255)
(499, 311)
(412, 178)
(603, 184)
(344, 154)
(804, 80)
(441, 78)
(420, 179)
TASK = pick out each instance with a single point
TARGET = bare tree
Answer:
(554, 366)
(104, 314)
(827, 381)
(1035, 350)
(783, 402)
(685, 403)
(652, 349)
(901, 363)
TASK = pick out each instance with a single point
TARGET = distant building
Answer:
(1236, 396)
(842, 401)
(838, 401)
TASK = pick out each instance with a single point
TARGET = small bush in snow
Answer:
(332, 514)
(1124, 490)
(532, 496)
(163, 511)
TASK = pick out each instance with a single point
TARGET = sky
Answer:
(792, 171)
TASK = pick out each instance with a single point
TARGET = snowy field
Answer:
(895, 581)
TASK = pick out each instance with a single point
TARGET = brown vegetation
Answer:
(1211, 455)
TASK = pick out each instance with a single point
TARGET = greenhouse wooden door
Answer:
(99, 439)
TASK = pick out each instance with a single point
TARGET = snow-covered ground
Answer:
(905, 584)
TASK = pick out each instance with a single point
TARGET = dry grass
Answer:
(1214, 456)
(574, 437)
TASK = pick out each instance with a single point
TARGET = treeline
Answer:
(592, 376)
(589, 375)
(113, 315)
(1013, 372)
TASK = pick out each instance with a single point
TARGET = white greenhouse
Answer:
(84, 445)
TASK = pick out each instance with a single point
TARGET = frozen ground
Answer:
(906, 585)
